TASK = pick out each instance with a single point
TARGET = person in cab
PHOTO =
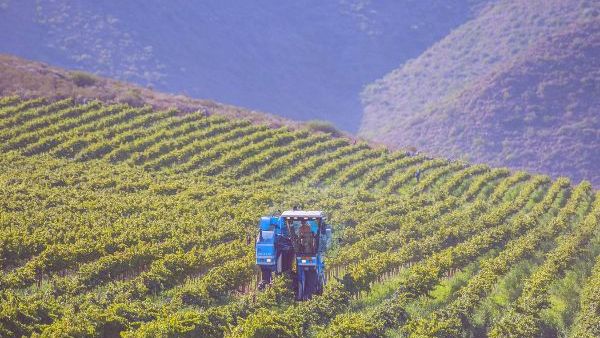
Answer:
(306, 237)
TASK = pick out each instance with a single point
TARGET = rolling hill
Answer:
(32, 79)
(303, 60)
(128, 221)
(518, 86)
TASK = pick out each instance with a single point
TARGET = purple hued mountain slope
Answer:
(518, 86)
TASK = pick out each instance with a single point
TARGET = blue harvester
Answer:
(294, 243)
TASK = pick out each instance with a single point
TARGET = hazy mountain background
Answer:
(519, 85)
(299, 59)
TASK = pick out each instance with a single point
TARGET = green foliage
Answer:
(515, 324)
(323, 127)
(266, 323)
(124, 221)
(588, 320)
(441, 325)
(83, 79)
(350, 325)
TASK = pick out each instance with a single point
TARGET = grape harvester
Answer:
(294, 243)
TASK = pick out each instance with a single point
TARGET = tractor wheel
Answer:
(265, 277)
(311, 282)
(320, 284)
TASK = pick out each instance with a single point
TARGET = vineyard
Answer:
(121, 221)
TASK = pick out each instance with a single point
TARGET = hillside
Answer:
(301, 60)
(516, 86)
(31, 79)
(125, 221)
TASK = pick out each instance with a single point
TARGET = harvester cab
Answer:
(294, 243)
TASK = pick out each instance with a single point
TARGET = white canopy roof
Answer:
(300, 214)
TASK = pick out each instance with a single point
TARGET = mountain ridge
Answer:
(462, 115)
(300, 60)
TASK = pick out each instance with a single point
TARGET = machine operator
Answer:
(306, 237)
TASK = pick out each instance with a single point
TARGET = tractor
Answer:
(294, 243)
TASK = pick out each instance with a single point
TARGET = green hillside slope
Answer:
(134, 222)
(516, 86)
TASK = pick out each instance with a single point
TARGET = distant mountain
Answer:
(519, 86)
(299, 59)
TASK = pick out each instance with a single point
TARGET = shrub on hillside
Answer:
(83, 79)
(132, 97)
(323, 126)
